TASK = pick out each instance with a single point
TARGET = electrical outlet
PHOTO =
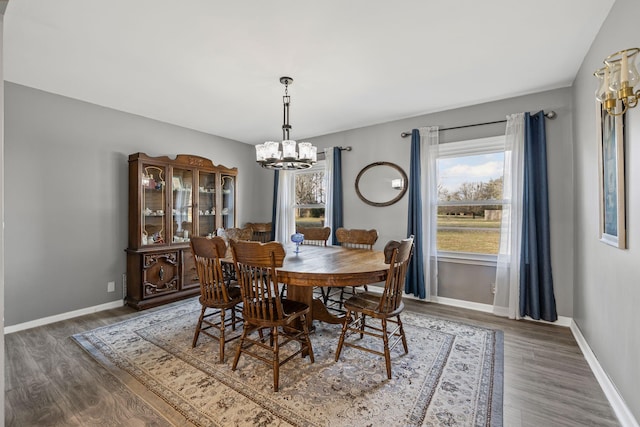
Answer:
(111, 287)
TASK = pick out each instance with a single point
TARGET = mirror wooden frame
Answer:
(387, 203)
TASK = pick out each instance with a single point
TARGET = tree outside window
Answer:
(310, 188)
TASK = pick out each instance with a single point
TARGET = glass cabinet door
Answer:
(207, 204)
(182, 213)
(153, 205)
(228, 201)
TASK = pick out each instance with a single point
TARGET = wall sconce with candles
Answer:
(617, 80)
(269, 155)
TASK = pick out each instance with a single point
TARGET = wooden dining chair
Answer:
(263, 309)
(385, 308)
(261, 231)
(215, 294)
(354, 239)
(317, 236)
(232, 233)
(238, 233)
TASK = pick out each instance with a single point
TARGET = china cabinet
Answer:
(171, 200)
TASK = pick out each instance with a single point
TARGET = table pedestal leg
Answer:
(321, 313)
(318, 310)
(302, 294)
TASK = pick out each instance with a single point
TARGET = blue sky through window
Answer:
(454, 171)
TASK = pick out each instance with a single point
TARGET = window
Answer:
(310, 187)
(470, 196)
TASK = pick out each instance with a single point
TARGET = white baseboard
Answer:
(562, 321)
(487, 308)
(62, 316)
(616, 401)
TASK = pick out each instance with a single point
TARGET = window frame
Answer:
(469, 147)
(319, 166)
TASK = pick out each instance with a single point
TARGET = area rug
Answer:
(452, 375)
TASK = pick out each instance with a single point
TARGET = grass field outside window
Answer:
(472, 235)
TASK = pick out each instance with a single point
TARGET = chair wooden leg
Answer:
(362, 324)
(233, 318)
(345, 325)
(325, 294)
(198, 327)
(221, 339)
(276, 358)
(307, 339)
(239, 350)
(283, 291)
(387, 353)
(341, 299)
(404, 338)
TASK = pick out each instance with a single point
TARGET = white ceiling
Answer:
(214, 65)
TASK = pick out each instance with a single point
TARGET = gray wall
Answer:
(383, 142)
(467, 282)
(607, 279)
(66, 174)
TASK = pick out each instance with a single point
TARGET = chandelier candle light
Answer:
(271, 156)
(617, 79)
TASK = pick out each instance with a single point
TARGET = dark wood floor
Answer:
(51, 381)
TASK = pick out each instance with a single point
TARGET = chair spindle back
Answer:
(256, 265)
(315, 235)
(398, 256)
(207, 254)
(356, 239)
(261, 231)
(238, 233)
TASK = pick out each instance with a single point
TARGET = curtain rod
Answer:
(321, 155)
(550, 115)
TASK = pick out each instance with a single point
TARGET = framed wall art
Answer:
(611, 178)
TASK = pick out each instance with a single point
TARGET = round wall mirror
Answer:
(381, 184)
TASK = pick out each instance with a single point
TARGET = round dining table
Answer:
(332, 266)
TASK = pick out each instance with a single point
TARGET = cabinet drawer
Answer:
(160, 273)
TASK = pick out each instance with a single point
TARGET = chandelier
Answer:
(617, 79)
(284, 156)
